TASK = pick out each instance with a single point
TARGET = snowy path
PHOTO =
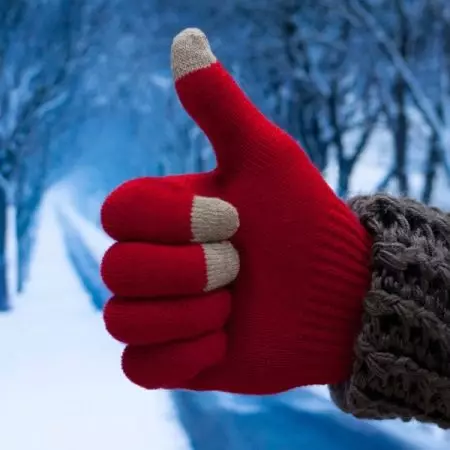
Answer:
(61, 387)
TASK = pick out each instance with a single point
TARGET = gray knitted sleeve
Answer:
(402, 354)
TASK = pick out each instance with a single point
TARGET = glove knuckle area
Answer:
(149, 209)
(154, 321)
(139, 269)
(136, 269)
(172, 365)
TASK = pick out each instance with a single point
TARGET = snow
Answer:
(61, 387)
(236, 403)
(96, 240)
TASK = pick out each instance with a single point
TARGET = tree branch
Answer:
(417, 93)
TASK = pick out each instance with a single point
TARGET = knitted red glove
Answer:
(298, 277)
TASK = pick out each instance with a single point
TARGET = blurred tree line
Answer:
(86, 93)
(35, 76)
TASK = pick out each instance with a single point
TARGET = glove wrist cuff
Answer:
(338, 277)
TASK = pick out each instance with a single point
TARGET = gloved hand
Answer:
(247, 279)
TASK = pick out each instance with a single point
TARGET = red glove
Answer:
(246, 279)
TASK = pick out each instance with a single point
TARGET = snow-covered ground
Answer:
(61, 387)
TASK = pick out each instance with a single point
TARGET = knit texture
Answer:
(293, 272)
(402, 366)
(213, 219)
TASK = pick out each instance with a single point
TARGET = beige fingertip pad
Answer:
(190, 52)
(213, 220)
(222, 264)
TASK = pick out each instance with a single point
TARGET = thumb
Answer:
(238, 131)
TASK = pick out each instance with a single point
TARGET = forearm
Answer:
(402, 354)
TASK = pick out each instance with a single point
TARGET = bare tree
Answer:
(353, 106)
(308, 73)
(36, 62)
(360, 11)
(437, 48)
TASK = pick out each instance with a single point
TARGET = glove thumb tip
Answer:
(190, 52)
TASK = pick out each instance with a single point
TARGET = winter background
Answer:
(87, 102)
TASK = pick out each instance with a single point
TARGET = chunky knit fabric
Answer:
(402, 365)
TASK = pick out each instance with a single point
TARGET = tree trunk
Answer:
(401, 148)
(4, 301)
(321, 160)
(21, 269)
(400, 130)
(401, 127)
(430, 171)
(25, 239)
(343, 179)
(344, 165)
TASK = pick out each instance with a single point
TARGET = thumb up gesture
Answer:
(246, 279)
